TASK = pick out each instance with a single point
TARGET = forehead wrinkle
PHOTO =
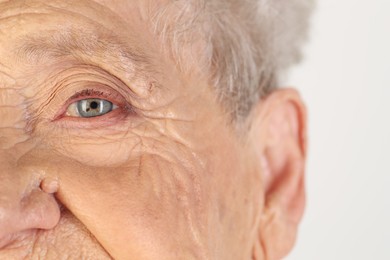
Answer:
(62, 44)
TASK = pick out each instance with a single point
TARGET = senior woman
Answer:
(150, 129)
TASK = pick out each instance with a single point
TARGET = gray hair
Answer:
(247, 45)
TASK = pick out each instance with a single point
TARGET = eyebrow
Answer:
(60, 44)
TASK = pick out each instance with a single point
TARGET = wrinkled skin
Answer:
(163, 176)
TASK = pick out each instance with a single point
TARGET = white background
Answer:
(345, 80)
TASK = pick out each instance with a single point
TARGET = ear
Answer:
(279, 133)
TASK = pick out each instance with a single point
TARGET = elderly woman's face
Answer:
(108, 150)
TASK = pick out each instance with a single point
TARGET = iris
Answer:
(93, 107)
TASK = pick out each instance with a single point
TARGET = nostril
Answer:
(36, 210)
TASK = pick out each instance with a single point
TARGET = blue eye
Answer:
(91, 107)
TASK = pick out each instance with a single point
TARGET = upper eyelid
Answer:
(90, 78)
(91, 94)
(88, 92)
(60, 85)
(87, 74)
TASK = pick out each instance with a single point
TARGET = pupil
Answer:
(94, 105)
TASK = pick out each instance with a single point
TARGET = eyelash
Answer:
(89, 93)
(117, 99)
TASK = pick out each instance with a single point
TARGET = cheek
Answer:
(99, 154)
(152, 196)
(151, 201)
(236, 192)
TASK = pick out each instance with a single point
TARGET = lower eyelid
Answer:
(107, 120)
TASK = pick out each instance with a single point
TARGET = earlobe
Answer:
(280, 132)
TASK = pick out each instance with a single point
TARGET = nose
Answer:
(25, 204)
